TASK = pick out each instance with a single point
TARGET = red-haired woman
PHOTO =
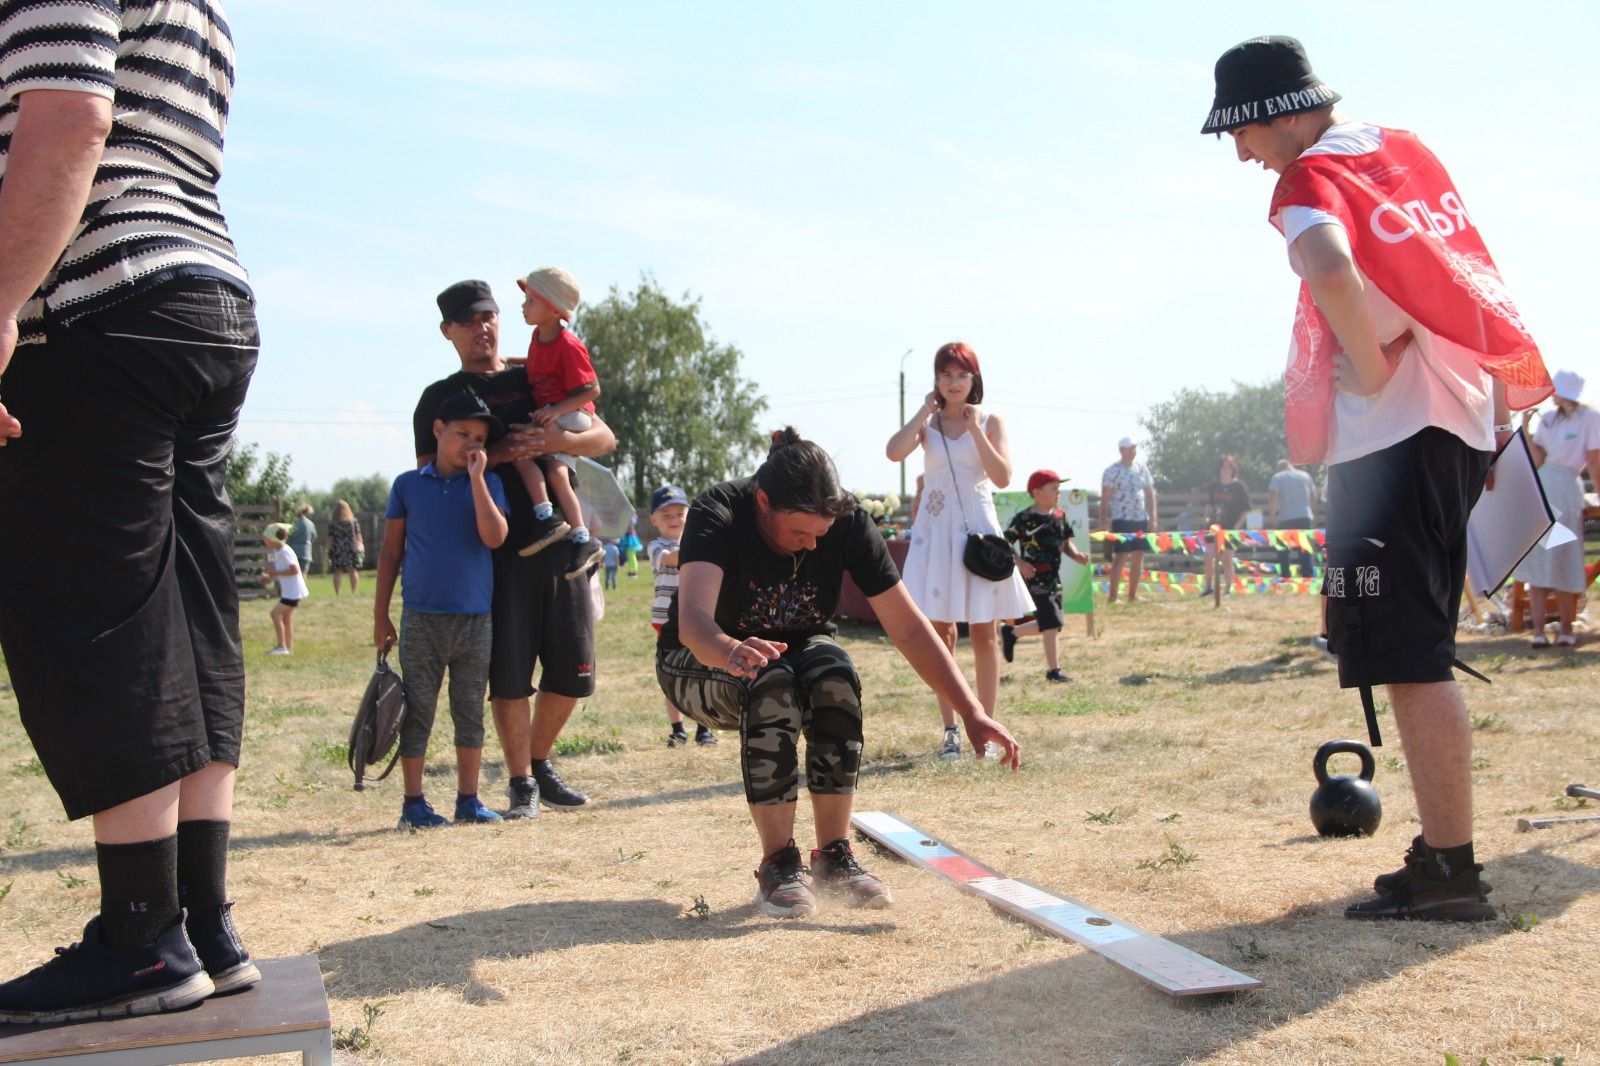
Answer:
(966, 459)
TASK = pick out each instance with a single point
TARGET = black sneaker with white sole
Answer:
(546, 531)
(90, 980)
(221, 952)
(585, 557)
(554, 792)
(523, 793)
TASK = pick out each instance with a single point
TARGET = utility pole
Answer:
(903, 419)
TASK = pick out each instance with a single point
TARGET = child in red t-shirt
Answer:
(564, 389)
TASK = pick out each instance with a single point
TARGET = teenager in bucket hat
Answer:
(1403, 368)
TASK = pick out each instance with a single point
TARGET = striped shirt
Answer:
(152, 214)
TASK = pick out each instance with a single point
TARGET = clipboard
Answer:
(1508, 521)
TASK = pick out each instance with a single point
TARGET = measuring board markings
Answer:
(1170, 967)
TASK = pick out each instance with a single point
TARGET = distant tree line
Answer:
(1190, 433)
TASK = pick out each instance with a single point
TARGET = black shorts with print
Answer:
(1397, 558)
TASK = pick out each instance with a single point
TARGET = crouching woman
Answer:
(749, 645)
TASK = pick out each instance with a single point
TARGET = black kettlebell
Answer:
(1344, 805)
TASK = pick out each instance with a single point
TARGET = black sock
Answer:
(463, 797)
(418, 798)
(138, 890)
(203, 865)
(1451, 862)
(677, 727)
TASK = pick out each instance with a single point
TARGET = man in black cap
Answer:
(1401, 375)
(538, 615)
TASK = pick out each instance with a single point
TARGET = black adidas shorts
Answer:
(1397, 558)
(540, 617)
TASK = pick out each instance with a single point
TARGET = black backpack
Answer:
(377, 725)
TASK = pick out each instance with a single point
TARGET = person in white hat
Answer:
(1127, 505)
(1567, 441)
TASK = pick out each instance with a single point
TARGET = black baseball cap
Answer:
(466, 298)
(468, 404)
(1261, 79)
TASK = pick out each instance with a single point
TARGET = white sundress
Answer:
(939, 584)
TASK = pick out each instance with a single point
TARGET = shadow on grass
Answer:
(443, 953)
(733, 788)
(1083, 1009)
(1278, 667)
(52, 858)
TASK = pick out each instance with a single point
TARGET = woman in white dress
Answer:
(1567, 440)
(966, 458)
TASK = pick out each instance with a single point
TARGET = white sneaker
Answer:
(280, 651)
(951, 747)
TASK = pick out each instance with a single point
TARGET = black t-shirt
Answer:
(764, 594)
(1227, 503)
(508, 397)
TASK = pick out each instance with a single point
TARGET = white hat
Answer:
(1569, 386)
(555, 287)
(1125, 442)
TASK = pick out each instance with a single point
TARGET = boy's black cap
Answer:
(464, 299)
(467, 404)
(1261, 79)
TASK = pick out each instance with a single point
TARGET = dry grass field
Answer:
(1167, 786)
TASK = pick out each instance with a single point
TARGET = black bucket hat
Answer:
(1261, 79)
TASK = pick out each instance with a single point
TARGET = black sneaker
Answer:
(784, 885)
(1430, 896)
(553, 792)
(704, 737)
(1388, 884)
(546, 531)
(1057, 676)
(585, 557)
(1008, 641)
(89, 980)
(835, 867)
(221, 951)
(523, 793)
(677, 738)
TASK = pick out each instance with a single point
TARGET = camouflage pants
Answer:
(812, 689)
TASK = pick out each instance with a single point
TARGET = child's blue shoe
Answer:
(419, 814)
(471, 809)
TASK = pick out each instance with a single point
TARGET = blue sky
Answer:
(842, 183)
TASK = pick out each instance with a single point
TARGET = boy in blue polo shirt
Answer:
(443, 522)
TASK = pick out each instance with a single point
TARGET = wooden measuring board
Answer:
(1175, 970)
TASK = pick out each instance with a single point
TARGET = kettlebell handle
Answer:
(1319, 765)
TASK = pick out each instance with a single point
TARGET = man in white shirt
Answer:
(1127, 505)
(1409, 423)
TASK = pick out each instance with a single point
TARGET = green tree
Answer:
(1192, 431)
(369, 493)
(672, 394)
(246, 485)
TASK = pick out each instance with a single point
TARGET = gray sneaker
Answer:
(524, 795)
(951, 746)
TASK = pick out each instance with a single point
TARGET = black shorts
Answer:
(540, 617)
(119, 616)
(1397, 558)
(288, 602)
(1047, 609)
(1130, 525)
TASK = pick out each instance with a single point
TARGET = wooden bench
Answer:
(287, 1011)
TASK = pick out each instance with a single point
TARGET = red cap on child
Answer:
(1042, 477)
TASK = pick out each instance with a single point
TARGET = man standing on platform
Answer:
(129, 328)
(1407, 354)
